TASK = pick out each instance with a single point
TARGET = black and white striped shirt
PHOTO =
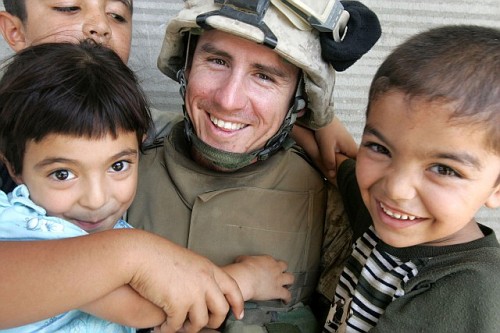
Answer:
(371, 280)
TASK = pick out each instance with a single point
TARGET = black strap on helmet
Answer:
(250, 12)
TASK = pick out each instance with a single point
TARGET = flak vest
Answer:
(274, 207)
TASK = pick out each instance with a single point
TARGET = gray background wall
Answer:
(399, 20)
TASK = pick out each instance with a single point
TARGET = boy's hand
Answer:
(261, 278)
(322, 145)
(335, 138)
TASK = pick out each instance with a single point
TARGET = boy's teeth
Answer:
(397, 215)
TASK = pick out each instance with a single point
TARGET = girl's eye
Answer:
(62, 175)
(377, 148)
(120, 166)
(444, 170)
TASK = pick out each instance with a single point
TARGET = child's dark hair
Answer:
(458, 65)
(81, 90)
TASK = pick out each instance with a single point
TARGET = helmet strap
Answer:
(249, 12)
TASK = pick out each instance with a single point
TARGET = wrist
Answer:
(240, 275)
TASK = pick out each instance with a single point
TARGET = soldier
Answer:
(227, 180)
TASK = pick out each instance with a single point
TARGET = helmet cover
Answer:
(295, 41)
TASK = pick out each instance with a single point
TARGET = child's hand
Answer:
(192, 291)
(261, 278)
(335, 138)
(322, 145)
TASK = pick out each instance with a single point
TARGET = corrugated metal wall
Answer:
(399, 20)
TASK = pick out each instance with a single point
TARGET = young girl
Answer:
(72, 119)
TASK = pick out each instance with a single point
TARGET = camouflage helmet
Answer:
(268, 22)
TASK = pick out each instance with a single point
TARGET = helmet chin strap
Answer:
(229, 161)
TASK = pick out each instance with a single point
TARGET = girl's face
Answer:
(73, 180)
(107, 21)
(423, 176)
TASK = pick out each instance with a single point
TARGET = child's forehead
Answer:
(426, 124)
(441, 114)
(402, 104)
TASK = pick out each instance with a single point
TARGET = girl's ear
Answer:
(493, 200)
(12, 30)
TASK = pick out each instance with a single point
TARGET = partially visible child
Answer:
(429, 160)
(29, 22)
(72, 120)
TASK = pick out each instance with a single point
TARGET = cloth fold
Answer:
(362, 32)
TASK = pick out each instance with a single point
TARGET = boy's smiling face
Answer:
(106, 21)
(422, 176)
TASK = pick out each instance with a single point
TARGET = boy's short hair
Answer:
(82, 90)
(16, 8)
(458, 65)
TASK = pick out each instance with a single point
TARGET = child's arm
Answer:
(40, 279)
(126, 307)
(261, 278)
(323, 144)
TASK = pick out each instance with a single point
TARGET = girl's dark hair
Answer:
(458, 65)
(81, 90)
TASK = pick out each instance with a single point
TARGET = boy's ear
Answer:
(12, 30)
(493, 200)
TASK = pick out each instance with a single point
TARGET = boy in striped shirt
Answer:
(429, 160)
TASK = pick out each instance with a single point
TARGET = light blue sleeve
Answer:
(74, 321)
(22, 219)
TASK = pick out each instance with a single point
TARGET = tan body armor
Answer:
(275, 207)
